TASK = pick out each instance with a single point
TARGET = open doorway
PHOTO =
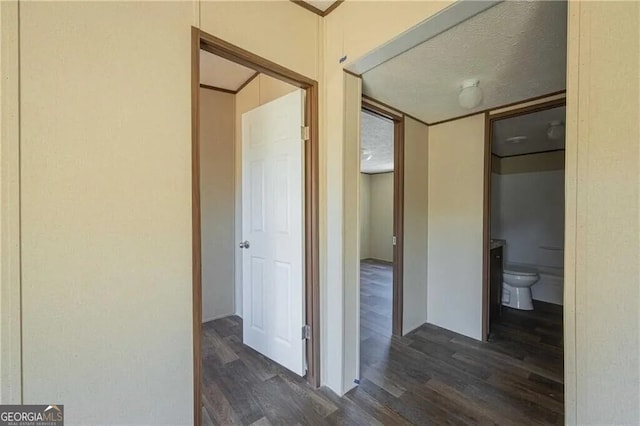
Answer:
(526, 251)
(255, 229)
(443, 354)
(376, 225)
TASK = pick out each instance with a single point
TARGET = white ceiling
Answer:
(219, 72)
(320, 4)
(376, 139)
(534, 126)
(516, 49)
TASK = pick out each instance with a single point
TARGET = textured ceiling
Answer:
(534, 126)
(320, 4)
(516, 49)
(219, 72)
(376, 140)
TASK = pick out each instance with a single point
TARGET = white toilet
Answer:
(516, 286)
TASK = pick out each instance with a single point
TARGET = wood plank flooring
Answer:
(431, 376)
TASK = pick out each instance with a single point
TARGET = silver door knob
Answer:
(244, 244)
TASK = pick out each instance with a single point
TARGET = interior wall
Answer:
(381, 214)
(365, 216)
(416, 165)
(528, 212)
(108, 183)
(259, 91)
(279, 31)
(349, 32)
(106, 210)
(351, 230)
(217, 202)
(602, 268)
(455, 225)
(10, 339)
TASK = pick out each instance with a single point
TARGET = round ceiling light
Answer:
(555, 130)
(470, 95)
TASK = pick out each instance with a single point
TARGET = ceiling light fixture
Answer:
(555, 130)
(516, 140)
(470, 94)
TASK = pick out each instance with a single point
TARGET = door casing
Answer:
(212, 44)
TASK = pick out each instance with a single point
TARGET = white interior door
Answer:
(272, 229)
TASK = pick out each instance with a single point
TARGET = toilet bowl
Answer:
(516, 286)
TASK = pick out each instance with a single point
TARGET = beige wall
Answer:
(259, 91)
(217, 202)
(106, 195)
(112, 217)
(602, 252)
(276, 30)
(348, 355)
(10, 355)
(106, 210)
(350, 31)
(381, 213)
(455, 223)
(365, 216)
(416, 163)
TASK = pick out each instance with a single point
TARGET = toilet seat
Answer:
(512, 269)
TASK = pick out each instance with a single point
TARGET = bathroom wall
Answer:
(527, 210)
(217, 197)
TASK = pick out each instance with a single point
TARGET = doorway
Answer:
(307, 183)
(524, 217)
(381, 207)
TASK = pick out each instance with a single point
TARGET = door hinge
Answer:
(394, 240)
(306, 332)
(305, 133)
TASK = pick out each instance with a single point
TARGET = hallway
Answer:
(429, 376)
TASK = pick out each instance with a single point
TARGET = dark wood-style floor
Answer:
(431, 376)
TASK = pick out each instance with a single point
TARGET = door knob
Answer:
(244, 244)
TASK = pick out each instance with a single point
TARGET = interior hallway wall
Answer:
(416, 165)
(106, 241)
(365, 216)
(259, 91)
(217, 202)
(105, 115)
(350, 31)
(455, 230)
(381, 217)
(603, 224)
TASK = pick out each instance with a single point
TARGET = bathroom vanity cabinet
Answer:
(495, 284)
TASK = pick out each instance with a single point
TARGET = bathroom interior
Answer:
(527, 222)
